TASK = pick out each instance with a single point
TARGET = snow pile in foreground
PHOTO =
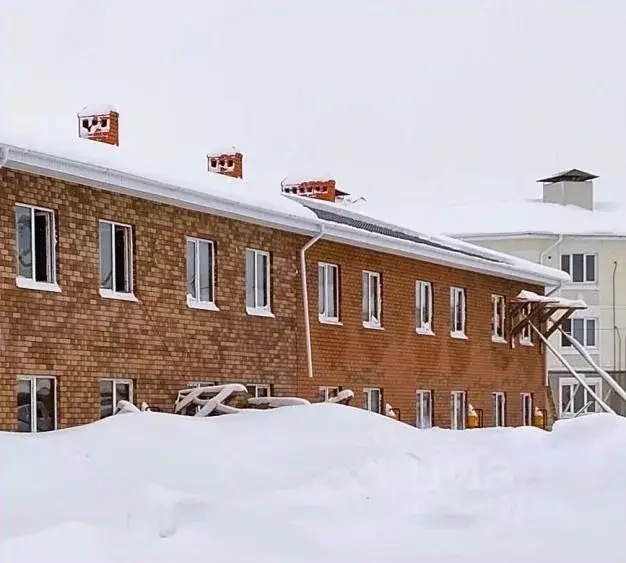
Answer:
(311, 483)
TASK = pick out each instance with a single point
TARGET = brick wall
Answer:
(162, 345)
(399, 360)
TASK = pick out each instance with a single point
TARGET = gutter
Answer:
(305, 300)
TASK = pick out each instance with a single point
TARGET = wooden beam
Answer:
(558, 322)
(534, 312)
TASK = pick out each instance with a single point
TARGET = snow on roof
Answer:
(223, 150)
(515, 217)
(96, 109)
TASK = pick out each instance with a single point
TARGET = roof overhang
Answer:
(531, 235)
(108, 179)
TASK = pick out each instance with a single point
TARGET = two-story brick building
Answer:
(118, 285)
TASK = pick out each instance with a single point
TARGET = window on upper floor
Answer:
(583, 330)
(457, 312)
(526, 334)
(201, 274)
(581, 267)
(424, 307)
(36, 247)
(258, 282)
(372, 315)
(328, 292)
(498, 303)
(116, 260)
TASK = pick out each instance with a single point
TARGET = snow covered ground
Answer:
(312, 483)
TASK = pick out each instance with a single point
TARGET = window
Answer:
(116, 260)
(328, 392)
(575, 399)
(257, 282)
(526, 334)
(424, 307)
(424, 409)
(112, 391)
(200, 273)
(582, 267)
(499, 409)
(36, 243)
(36, 394)
(497, 317)
(459, 411)
(196, 384)
(328, 292)
(373, 399)
(457, 312)
(258, 390)
(527, 409)
(582, 330)
(371, 300)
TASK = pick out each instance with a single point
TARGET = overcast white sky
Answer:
(438, 99)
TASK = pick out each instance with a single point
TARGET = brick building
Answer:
(114, 285)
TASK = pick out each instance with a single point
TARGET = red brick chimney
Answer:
(226, 163)
(318, 189)
(99, 123)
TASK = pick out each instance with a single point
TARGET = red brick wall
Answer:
(162, 344)
(399, 360)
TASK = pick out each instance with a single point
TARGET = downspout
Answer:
(615, 331)
(305, 299)
(556, 288)
(4, 156)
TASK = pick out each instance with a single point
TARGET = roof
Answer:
(520, 217)
(572, 175)
(189, 185)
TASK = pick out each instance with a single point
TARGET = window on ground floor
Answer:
(459, 410)
(424, 400)
(527, 409)
(258, 390)
(499, 409)
(112, 391)
(372, 399)
(326, 393)
(575, 399)
(36, 404)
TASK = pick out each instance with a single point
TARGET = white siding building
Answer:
(565, 229)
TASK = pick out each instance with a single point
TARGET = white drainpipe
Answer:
(305, 299)
(4, 156)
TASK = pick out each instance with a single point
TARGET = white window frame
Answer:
(424, 318)
(324, 293)
(257, 387)
(369, 277)
(367, 391)
(31, 283)
(458, 306)
(567, 346)
(33, 399)
(454, 410)
(573, 383)
(528, 411)
(526, 334)
(423, 397)
(130, 266)
(260, 310)
(498, 318)
(325, 391)
(196, 384)
(124, 381)
(196, 302)
(499, 409)
(571, 267)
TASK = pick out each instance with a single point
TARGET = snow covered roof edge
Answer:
(493, 263)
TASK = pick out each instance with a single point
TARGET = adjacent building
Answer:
(566, 228)
(118, 285)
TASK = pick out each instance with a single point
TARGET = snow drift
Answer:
(311, 483)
